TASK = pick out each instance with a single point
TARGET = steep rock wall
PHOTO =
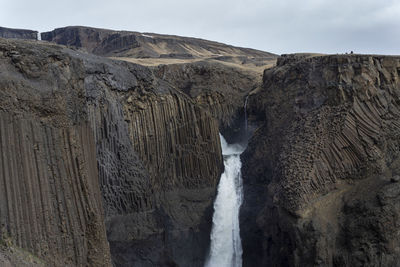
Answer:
(320, 177)
(218, 88)
(178, 143)
(159, 160)
(50, 203)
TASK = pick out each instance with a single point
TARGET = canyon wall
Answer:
(107, 162)
(215, 75)
(321, 175)
(50, 203)
(215, 87)
(102, 147)
(159, 160)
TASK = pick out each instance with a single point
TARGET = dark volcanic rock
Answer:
(158, 161)
(50, 202)
(218, 83)
(18, 33)
(97, 41)
(317, 176)
(215, 87)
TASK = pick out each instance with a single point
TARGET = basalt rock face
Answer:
(178, 143)
(81, 37)
(157, 151)
(321, 176)
(159, 161)
(50, 202)
(215, 75)
(18, 33)
(217, 88)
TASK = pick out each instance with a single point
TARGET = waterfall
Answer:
(226, 246)
(245, 113)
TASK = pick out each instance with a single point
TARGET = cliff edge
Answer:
(101, 156)
(321, 175)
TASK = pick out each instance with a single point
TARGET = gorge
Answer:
(111, 153)
(226, 246)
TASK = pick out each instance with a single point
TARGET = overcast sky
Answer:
(278, 26)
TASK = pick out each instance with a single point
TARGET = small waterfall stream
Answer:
(245, 113)
(226, 246)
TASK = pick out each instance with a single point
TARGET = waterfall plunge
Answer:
(226, 246)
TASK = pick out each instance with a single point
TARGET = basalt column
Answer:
(50, 202)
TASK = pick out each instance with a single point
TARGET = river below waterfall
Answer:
(226, 246)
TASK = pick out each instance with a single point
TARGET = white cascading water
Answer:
(226, 246)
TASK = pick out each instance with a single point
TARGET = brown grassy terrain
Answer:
(168, 61)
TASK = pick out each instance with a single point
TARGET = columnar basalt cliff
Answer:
(158, 161)
(216, 76)
(218, 88)
(104, 162)
(18, 33)
(50, 203)
(178, 143)
(321, 176)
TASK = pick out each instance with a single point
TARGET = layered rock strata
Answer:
(215, 87)
(321, 176)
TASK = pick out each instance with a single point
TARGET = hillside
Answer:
(155, 49)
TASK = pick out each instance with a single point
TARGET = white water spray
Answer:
(226, 246)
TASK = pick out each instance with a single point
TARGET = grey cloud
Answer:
(285, 26)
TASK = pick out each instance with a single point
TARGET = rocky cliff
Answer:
(159, 160)
(216, 76)
(50, 203)
(218, 88)
(321, 175)
(106, 162)
(102, 146)
(18, 33)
